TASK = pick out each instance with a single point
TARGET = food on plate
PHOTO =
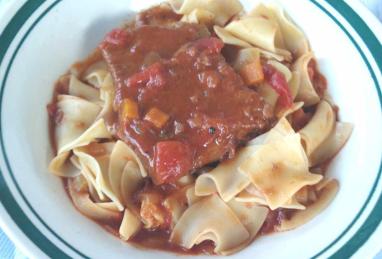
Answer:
(197, 127)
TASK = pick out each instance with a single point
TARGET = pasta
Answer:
(293, 39)
(306, 92)
(319, 127)
(225, 178)
(222, 10)
(265, 35)
(194, 227)
(195, 126)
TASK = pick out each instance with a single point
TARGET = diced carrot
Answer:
(252, 73)
(157, 117)
(129, 109)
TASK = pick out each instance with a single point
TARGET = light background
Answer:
(9, 251)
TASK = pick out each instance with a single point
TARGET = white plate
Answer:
(42, 38)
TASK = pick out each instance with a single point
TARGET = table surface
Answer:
(7, 248)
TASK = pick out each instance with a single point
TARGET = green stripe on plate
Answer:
(8, 201)
(50, 249)
(375, 48)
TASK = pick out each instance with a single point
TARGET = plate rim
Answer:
(347, 12)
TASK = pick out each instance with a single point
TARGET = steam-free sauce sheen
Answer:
(180, 105)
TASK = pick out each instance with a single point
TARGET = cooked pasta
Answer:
(198, 127)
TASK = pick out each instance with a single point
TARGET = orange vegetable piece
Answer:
(252, 73)
(129, 110)
(157, 117)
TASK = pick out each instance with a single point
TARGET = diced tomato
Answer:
(153, 75)
(118, 37)
(212, 44)
(172, 159)
(278, 82)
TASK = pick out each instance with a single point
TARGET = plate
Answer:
(41, 39)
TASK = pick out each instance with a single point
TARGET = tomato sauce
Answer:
(209, 110)
(203, 109)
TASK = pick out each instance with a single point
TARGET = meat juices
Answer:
(203, 110)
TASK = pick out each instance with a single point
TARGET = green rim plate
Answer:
(51, 249)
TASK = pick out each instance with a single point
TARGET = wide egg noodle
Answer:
(82, 90)
(59, 167)
(223, 10)
(176, 204)
(75, 130)
(130, 154)
(252, 195)
(130, 225)
(191, 196)
(225, 178)
(96, 74)
(293, 38)
(199, 16)
(228, 38)
(77, 115)
(279, 131)
(86, 206)
(294, 84)
(107, 94)
(209, 219)
(325, 197)
(318, 128)
(332, 145)
(115, 170)
(279, 169)
(306, 92)
(96, 131)
(131, 180)
(108, 205)
(257, 31)
(251, 216)
(95, 166)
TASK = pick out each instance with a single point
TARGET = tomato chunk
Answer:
(153, 75)
(278, 82)
(172, 159)
(118, 37)
(212, 44)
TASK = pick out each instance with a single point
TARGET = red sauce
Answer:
(318, 80)
(278, 82)
(210, 109)
(177, 68)
(273, 219)
(159, 240)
